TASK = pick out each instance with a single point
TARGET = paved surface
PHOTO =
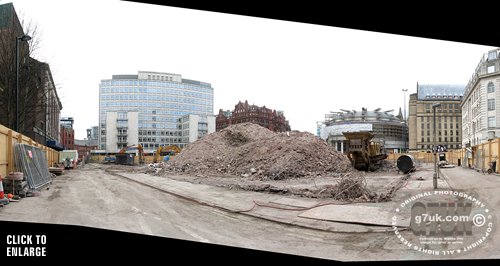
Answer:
(486, 188)
(96, 198)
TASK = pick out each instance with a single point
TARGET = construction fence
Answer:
(476, 157)
(8, 138)
(100, 158)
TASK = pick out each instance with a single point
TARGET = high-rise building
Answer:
(93, 133)
(145, 109)
(479, 109)
(448, 117)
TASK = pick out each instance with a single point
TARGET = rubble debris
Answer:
(249, 149)
(386, 166)
(250, 152)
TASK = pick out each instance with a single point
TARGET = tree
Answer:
(35, 80)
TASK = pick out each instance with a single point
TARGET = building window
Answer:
(491, 87)
(491, 122)
(492, 55)
(491, 104)
(491, 69)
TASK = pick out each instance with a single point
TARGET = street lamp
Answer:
(436, 172)
(404, 116)
(23, 38)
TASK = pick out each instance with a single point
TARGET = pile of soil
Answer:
(251, 150)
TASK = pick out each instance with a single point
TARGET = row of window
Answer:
(120, 93)
(438, 119)
(447, 146)
(441, 125)
(456, 97)
(114, 84)
(202, 108)
(440, 139)
(158, 132)
(179, 143)
(160, 77)
(154, 98)
(147, 114)
(158, 139)
(445, 132)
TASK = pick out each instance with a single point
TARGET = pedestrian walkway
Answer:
(462, 178)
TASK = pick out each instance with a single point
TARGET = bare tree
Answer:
(34, 76)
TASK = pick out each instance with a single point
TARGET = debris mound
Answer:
(251, 150)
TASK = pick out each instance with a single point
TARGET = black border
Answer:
(468, 22)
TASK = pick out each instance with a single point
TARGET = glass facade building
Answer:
(160, 100)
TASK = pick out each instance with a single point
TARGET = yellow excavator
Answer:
(123, 158)
(170, 150)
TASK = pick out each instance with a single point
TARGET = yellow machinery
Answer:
(122, 157)
(170, 150)
(362, 152)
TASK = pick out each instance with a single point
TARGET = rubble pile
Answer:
(386, 166)
(250, 150)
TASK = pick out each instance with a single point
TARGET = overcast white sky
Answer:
(306, 70)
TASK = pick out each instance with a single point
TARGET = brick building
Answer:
(67, 133)
(84, 147)
(38, 110)
(244, 112)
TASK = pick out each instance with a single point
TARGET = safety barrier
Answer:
(8, 138)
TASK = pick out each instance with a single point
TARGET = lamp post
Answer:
(404, 116)
(23, 38)
(436, 172)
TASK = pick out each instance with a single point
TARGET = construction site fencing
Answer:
(478, 157)
(101, 158)
(8, 138)
(32, 162)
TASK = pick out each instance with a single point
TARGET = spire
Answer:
(400, 115)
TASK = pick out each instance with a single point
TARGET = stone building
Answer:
(244, 112)
(448, 117)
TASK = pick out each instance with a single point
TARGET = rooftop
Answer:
(440, 91)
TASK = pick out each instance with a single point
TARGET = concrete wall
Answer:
(133, 128)
(111, 131)
(211, 123)
(193, 128)
(8, 138)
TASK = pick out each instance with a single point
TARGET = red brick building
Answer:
(68, 138)
(67, 133)
(84, 147)
(244, 112)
